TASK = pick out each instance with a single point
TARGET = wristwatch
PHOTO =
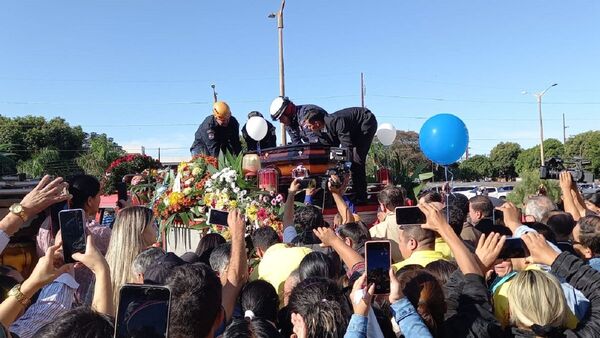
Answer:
(21, 298)
(18, 210)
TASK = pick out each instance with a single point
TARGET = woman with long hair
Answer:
(134, 230)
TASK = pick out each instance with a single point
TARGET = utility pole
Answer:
(214, 92)
(158, 154)
(279, 16)
(538, 97)
(564, 130)
(362, 90)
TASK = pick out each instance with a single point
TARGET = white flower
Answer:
(235, 189)
(215, 176)
(166, 201)
(224, 191)
(187, 191)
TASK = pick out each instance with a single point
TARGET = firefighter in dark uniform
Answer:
(350, 127)
(269, 141)
(219, 132)
(291, 116)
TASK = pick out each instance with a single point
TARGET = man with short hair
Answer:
(481, 210)
(219, 260)
(142, 261)
(586, 236)
(292, 116)
(196, 296)
(539, 207)
(562, 225)
(417, 246)
(219, 132)
(277, 260)
(353, 128)
(389, 199)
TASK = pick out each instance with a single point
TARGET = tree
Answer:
(530, 185)
(587, 146)
(27, 135)
(40, 163)
(475, 168)
(529, 159)
(101, 150)
(503, 157)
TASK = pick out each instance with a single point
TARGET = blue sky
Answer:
(141, 71)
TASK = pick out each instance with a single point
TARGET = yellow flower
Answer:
(175, 198)
(233, 204)
(196, 171)
(208, 197)
(187, 191)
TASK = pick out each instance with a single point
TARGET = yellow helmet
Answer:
(221, 110)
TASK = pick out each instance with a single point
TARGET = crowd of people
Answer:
(446, 277)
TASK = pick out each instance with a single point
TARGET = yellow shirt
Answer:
(502, 309)
(390, 230)
(421, 258)
(277, 264)
(442, 247)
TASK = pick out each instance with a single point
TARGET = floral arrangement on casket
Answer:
(205, 183)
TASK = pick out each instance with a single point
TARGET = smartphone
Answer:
(217, 217)
(122, 191)
(514, 248)
(72, 228)
(410, 215)
(378, 262)
(143, 311)
(54, 221)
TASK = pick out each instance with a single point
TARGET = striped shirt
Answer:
(55, 299)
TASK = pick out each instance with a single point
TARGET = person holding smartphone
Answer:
(85, 191)
(389, 199)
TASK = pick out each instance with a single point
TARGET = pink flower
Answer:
(262, 214)
(279, 198)
(273, 202)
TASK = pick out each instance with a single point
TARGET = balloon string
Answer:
(446, 172)
(258, 148)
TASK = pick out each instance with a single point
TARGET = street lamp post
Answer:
(279, 16)
(538, 97)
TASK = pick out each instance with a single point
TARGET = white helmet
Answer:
(278, 106)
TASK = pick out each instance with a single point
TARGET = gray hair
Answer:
(219, 258)
(539, 207)
(143, 260)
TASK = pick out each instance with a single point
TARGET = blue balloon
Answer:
(444, 138)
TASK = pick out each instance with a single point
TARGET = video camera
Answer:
(340, 170)
(552, 168)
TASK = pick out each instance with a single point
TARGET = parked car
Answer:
(588, 188)
(504, 190)
(467, 190)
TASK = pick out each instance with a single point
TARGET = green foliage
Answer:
(41, 163)
(529, 159)
(28, 135)
(126, 165)
(475, 168)
(587, 146)
(101, 152)
(7, 165)
(503, 157)
(530, 186)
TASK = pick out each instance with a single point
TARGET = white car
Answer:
(467, 190)
(505, 190)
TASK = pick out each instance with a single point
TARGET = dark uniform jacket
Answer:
(270, 140)
(212, 138)
(299, 134)
(347, 127)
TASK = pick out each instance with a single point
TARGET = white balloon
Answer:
(257, 128)
(386, 133)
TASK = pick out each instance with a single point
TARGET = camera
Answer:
(340, 170)
(552, 168)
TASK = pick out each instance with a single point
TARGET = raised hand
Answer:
(46, 193)
(540, 252)
(488, 248)
(326, 235)
(361, 296)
